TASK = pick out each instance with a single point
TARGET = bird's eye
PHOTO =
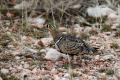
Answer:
(47, 26)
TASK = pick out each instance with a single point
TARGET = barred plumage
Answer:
(72, 45)
(69, 44)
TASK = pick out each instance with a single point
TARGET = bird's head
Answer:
(50, 27)
(53, 30)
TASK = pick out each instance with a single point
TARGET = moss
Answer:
(106, 28)
(5, 39)
(117, 34)
(74, 74)
(109, 72)
(13, 78)
(2, 7)
(114, 46)
(6, 77)
(66, 66)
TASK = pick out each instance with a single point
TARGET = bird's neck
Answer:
(54, 34)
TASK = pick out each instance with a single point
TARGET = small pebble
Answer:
(1, 78)
(4, 71)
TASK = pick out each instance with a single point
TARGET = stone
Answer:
(4, 71)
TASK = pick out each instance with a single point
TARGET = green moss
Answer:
(117, 34)
(109, 72)
(106, 28)
(74, 74)
(13, 78)
(5, 39)
(2, 7)
(6, 77)
(114, 46)
(66, 66)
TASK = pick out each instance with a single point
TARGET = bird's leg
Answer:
(70, 66)
(69, 59)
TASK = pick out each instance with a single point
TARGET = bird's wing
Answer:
(74, 39)
(84, 47)
(71, 47)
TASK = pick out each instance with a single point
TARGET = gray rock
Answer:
(117, 72)
(108, 56)
(4, 71)
(1, 78)
(92, 78)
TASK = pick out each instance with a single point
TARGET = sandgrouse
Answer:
(69, 44)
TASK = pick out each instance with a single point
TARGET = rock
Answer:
(13, 70)
(108, 33)
(102, 76)
(64, 78)
(117, 73)
(117, 64)
(26, 65)
(77, 6)
(46, 41)
(113, 20)
(97, 57)
(1, 78)
(35, 70)
(52, 54)
(112, 16)
(111, 78)
(4, 71)
(17, 57)
(62, 29)
(27, 49)
(92, 78)
(56, 77)
(43, 50)
(99, 11)
(109, 56)
(46, 77)
(114, 27)
(67, 75)
(76, 78)
(20, 67)
(53, 71)
(87, 30)
(37, 22)
(22, 62)
(24, 5)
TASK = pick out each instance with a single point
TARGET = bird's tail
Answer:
(94, 49)
(91, 50)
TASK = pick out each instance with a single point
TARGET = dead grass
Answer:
(57, 12)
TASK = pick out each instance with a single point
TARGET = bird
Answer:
(70, 44)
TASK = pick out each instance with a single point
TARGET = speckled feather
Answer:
(71, 45)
